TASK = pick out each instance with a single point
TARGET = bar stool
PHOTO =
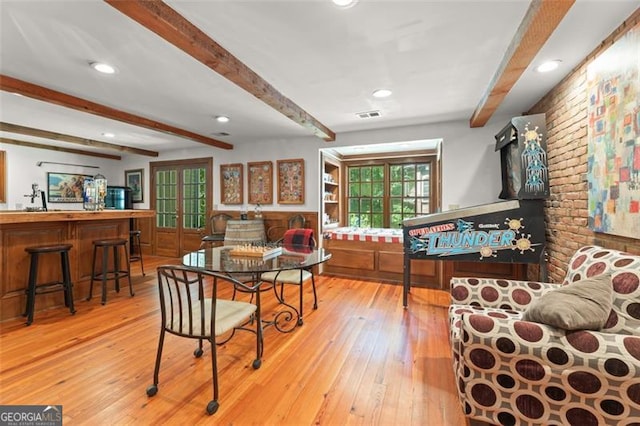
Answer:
(136, 248)
(34, 288)
(110, 274)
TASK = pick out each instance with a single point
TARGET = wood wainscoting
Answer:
(381, 261)
(378, 261)
(275, 222)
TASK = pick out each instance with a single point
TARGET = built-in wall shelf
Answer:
(331, 202)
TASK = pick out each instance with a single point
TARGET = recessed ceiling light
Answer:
(222, 119)
(108, 135)
(345, 3)
(548, 66)
(382, 93)
(102, 67)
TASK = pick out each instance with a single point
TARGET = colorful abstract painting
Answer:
(613, 88)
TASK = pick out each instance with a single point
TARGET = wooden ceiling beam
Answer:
(58, 148)
(174, 28)
(10, 84)
(541, 19)
(61, 137)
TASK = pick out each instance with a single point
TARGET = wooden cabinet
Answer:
(379, 261)
(331, 197)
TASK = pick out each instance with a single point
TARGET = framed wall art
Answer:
(291, 181)
(134, 179)
(65, 187)
(231, 184)
(613, 135)
(260, 182)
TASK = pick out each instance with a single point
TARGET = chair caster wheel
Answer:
(152, 390)
(198, 353)
(256, 364)
(212, 407)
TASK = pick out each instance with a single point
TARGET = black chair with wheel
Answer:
(295, 241)
(190, 307)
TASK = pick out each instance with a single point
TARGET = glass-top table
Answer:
(221, 259)
(250, 268)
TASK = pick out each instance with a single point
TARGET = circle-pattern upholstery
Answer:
(510, 371)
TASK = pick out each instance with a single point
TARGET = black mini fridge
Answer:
(119, 198)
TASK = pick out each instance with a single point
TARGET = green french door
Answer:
(181, 196)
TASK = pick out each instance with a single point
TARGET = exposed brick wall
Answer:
(566, 210)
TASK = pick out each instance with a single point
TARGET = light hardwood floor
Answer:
(359, 359)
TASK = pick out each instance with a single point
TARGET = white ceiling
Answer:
(438, 57)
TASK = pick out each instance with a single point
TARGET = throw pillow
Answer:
(581, 305)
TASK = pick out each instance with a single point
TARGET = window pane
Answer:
(354, 190)
(409, 172)
(396, 220)
(396, 189)
(377, 189)
(354, 220)
(354, 174)
(354, 205)
(409, 189)
(423, 171)
(396, 173)
(377, 173)
(423, 206)
(366, 174)
(365, 205)
(425, 187)
(376, 205)
(395, 206)
(365, 190)
(409, 205)
(377, 221)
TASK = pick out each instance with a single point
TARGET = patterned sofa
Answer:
(514, 372)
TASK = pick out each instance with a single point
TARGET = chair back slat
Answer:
(186, 307)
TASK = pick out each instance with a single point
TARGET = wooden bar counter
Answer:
(20, 229)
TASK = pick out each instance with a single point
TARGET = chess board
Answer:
(255, 251)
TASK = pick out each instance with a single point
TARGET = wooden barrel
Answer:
(241, 232)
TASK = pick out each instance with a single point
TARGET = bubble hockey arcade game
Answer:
(511, 231)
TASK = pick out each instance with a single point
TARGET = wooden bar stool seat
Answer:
(136, 248)
(33, 287)
(107, 274)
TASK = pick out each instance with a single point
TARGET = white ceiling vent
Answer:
(369, 114)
